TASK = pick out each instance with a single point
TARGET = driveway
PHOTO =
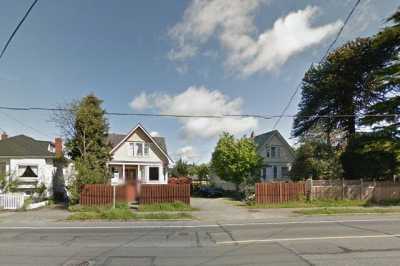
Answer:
(224, 210)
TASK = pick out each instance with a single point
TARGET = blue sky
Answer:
(196, 57)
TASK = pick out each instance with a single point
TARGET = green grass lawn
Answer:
(166, 207)
(337, 211)
(121, 212)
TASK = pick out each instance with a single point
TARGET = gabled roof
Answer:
(24, 146)
(116, 140)
(263, 139)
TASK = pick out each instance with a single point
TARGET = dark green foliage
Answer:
(371, 155)
(236, 160)
(361, 77)
(87, 144)
(202, 171)
(181, 168)
(316, 160)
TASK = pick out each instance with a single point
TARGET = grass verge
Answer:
(311, 204)
(337, 211)
(121, 212)
(166, 207)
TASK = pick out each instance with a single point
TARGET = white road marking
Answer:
(138, 226)
(252, 241)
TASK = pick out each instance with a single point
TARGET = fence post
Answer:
(342, 188)
(361, 188)
(280, 192)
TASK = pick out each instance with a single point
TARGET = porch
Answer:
(143, 173)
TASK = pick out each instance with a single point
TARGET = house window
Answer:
(275, 171)
(139, 148)
(285, 171)
(268, 152)
(28, 171)
(275, 152)
(153, 173)
(264, 173)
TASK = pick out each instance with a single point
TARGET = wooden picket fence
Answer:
(11, 201)
(280, 192)
(150, 194)
(102, 194)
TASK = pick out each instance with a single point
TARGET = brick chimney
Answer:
(3, 136)
(58, 147)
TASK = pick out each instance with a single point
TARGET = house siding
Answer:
(122, 154)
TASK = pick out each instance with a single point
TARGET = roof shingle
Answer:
(24, 146)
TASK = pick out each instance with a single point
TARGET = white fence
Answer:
(11, 201)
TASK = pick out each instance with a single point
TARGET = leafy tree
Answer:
(316, 160)
(181, 168)
(202, 172)
(236, 160)
(372, 155)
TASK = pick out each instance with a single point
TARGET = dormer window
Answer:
(139, 149)
(275, 152)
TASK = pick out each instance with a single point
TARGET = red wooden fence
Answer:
(150, 194)
(279, 192)
(102, 194)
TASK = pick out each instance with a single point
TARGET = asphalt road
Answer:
(313, 242)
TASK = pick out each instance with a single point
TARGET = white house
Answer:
(31, 162)
(277, 153)
(136, 157)
(139, 157)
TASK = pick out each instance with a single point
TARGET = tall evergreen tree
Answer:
(359, 77)
(387, 81)
(88, 147)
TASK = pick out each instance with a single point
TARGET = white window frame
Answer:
(133, 149)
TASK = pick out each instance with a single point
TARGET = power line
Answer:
(322, 59)
(261, 116)
(17, 28)
(24, 124)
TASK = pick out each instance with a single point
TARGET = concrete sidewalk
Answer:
(221, 210)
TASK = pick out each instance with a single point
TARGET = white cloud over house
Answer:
(140, 102)
(200, 101)
(187, 153)
(247, 51)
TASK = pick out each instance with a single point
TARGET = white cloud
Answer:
(247, 52)
(187, 153)
(154, 134)
(140, 102)
(202, 101)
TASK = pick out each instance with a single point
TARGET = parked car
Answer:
(211, 192)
